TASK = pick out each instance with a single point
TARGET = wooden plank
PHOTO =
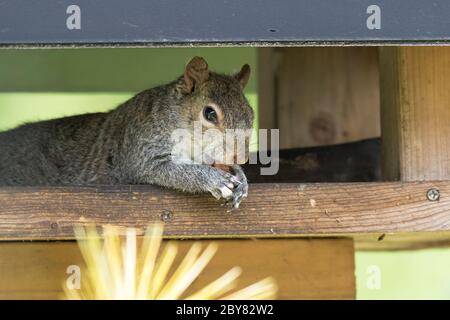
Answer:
(402, 241)
(194, 23)
(271, 210)
(348, 162)
(324, 268)
(325, 95)
(267, 59)
(415, 100)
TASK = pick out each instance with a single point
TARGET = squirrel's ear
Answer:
(196, 72)
(243, 75)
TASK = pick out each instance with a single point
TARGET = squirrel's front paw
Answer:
(224, 185)
(232, 188)
(240, 191)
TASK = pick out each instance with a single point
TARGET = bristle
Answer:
(218, 287)
(162, 269)
(129, 263)
(187, 262)
(116, 270)
(112, 249)
(150, 248)
(185, 278)
(264, 287)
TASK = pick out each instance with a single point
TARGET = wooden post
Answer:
(415, 112)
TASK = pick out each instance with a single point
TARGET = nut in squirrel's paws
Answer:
(236, 190)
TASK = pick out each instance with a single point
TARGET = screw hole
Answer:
(166, 216)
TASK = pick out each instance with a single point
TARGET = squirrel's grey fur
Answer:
(132, 143)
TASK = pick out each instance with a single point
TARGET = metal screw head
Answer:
(433, 194)
(166, 215)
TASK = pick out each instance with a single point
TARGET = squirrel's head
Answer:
(215, 105)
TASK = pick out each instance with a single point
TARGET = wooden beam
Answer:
(271, 210)
(402, 241)
(267, 59)
(319, 96)
(303, 269)
(415, 101)
(349, 162)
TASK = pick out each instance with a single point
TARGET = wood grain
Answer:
(348, 162)
(271, 210)
(268, 60)
(303, 269)
(322, 95)
(415, 104)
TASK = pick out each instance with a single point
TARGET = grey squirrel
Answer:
(132, 144)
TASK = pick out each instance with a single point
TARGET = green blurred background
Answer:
(42, 84)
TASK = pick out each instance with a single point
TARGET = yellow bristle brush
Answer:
(115, 269)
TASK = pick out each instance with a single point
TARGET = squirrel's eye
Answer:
(210, 114)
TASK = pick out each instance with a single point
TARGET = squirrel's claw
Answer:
(239, 193)
(235, 180)
(226, 192)
(223, 192)
(233, 188)
(216, 194)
